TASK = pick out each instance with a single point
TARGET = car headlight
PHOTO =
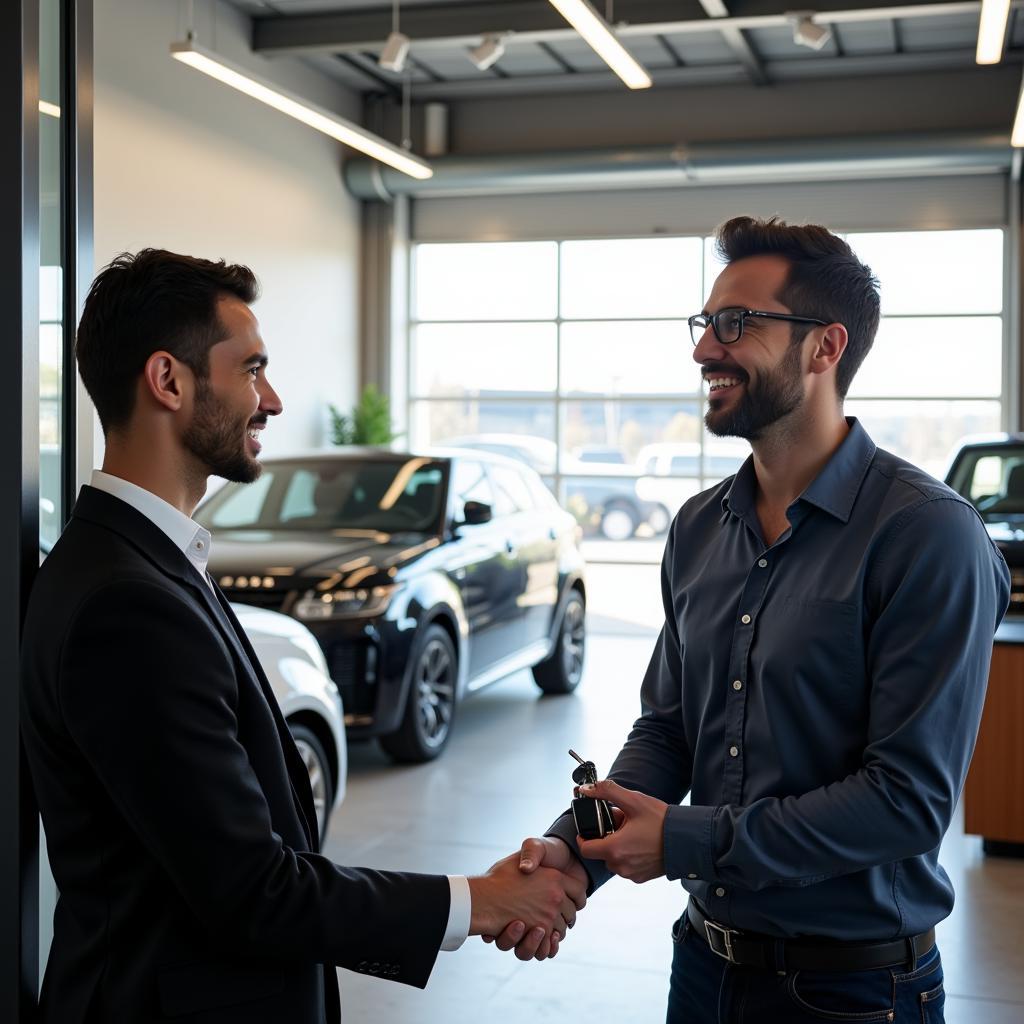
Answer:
(335, 604)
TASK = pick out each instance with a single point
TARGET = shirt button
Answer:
(745, 620)
(763, 563)
(199, 545)
(734, 751)
(719, 891)
(691, 875)
(737, 684)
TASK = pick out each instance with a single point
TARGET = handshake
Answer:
(528, 900)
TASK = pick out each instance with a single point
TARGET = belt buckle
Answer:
(723, 947)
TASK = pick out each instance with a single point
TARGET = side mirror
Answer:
(476, 512)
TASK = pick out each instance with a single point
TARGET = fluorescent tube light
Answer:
(49, 108)
(992, 30)
(322, 120)
(1017, 135)
(598, 34)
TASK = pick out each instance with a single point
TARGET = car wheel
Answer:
(563, 670)
(430, 705)
(618, 522)
(314, 757)
(659, 519)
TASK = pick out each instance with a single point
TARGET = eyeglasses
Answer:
(728, 324)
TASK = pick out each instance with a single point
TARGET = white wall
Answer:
(182, 162)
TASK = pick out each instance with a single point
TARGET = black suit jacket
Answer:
(178, 815)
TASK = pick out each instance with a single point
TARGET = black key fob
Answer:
(593, 817)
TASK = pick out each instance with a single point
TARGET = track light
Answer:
(806, 31)
(992, 30)
(597, 33)
(396, 49)
(489, 52)
(340, 128)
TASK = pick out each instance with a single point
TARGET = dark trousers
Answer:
(706, 989)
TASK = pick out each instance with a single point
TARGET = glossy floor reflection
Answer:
(505, 776)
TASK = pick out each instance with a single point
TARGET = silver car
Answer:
(309, 701)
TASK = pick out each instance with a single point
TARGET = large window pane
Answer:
(628, 357)
(486, 281)
(934, 356)
(623, 426)
(924, 433)
(523, 430)
(935, 271)
(647, 277)
(468, 359)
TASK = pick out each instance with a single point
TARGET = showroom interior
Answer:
(520, 288)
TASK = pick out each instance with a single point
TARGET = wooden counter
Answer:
(994, 794)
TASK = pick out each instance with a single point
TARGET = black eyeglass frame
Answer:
(704, 320)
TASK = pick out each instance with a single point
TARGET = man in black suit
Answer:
(178, 813)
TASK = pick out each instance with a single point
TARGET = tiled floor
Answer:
(506, 776)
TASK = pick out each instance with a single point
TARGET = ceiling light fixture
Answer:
(489, 52)
(49, 108)
(599, 35)
(1017, 135)
(992, 31)
(806, 31)
(322, 120)
(396, 49)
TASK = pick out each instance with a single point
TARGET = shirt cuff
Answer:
(459, 911)
(688, 847)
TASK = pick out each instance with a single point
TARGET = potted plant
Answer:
(369, 424)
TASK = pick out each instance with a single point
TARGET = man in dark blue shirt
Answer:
(818, 683)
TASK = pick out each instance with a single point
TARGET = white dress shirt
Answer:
(194, 542)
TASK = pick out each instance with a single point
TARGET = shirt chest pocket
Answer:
(808, 651)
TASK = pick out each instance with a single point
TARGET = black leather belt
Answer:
(749, 949)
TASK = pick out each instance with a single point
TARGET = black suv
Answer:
(422, 576)
(989, 472)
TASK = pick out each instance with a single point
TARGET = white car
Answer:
(309, 701)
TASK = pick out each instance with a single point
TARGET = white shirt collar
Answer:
(187, 535)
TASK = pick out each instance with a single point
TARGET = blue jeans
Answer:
(706, 989)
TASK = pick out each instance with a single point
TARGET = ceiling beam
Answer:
(444, 26)
(716, 74)
(737, 41)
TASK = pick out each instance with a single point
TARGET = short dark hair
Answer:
(825, 281)
(147, 302)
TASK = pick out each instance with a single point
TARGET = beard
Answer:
(217, 439)
(775, 394)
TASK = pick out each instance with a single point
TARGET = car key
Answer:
(593, 817)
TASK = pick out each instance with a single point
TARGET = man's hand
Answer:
(536, 853)
(636, 849)
(544, 901)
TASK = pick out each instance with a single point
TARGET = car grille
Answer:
(347, 664)
(272, 600)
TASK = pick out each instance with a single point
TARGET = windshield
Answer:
(386, 495)
(992, 479)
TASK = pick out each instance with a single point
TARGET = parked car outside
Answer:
(600, 493)
(423, 577)
(989, 471)
(673, 472)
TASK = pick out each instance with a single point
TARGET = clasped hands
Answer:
(633, 851)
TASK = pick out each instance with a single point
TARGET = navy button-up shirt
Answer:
(818, 698)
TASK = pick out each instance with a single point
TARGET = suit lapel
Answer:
(153, 544)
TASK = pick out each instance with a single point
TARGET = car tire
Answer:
(562, 670)
(618, 521)
(430, 705)
(318, 767)
(660, 519)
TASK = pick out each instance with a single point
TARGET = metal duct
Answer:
(697, 163)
